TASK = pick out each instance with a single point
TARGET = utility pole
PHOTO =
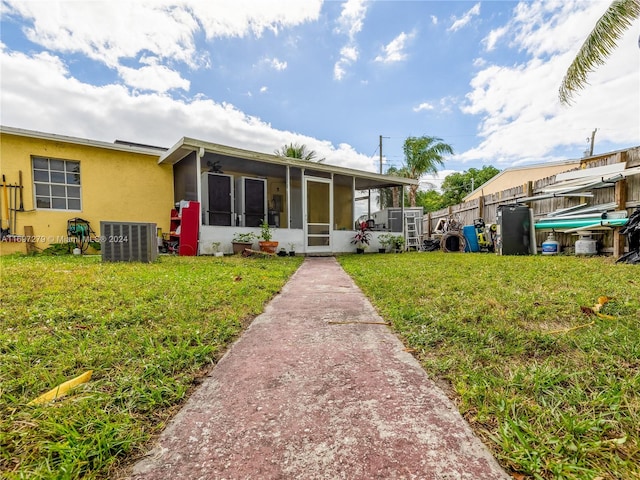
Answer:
(593, 136)
(380, 154)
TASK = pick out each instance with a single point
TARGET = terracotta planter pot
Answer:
(269, 247)
(238, 247)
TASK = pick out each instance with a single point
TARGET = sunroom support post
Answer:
(288, 193)
(353, 202)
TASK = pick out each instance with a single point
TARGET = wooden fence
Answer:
(626, 193)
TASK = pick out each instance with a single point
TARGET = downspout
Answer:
(199, 156)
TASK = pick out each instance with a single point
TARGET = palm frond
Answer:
(598, 46)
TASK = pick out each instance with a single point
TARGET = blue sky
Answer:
(333, 75)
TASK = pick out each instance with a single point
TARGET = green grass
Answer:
(552, 395)
(148, 331)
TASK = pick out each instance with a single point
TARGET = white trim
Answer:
(321, 248)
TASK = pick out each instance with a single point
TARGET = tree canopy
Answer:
(458, 185)
(598, 46)
(295, 150)
(423, 155)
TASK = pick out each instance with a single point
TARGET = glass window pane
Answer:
(40, 176)
(58, 191)
(318, 241)
(73, 179)
(57, 165)
(318, 229)
(43, 202)
(74, 204)
(73, 192)
(59, 203)
(42, 190)
(42, 163)
(73, 167)
(57, 177)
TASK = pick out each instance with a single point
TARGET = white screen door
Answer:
(318, 214)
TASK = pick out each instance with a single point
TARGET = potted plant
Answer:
(398, 243)
(282, 252)
(241, 241)
(386, 240)
(266, 245)
(362, 237)
(215, 246)
(292, 249)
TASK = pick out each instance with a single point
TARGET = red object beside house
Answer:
(189, 229)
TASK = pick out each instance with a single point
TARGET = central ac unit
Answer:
(128, 242)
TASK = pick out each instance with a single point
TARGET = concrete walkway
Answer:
(318, 388)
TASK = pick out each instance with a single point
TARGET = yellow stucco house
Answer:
(51, 179)
(517, 176)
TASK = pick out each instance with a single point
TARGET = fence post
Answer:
(621, 204)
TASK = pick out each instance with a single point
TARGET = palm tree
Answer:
(295, 150)
(390, 197)
(598, 45)
(423, 155)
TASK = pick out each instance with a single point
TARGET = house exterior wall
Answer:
(116, 185)
(519, 176)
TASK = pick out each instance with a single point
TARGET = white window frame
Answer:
(59, 183)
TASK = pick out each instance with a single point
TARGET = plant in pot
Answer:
(292, 249)
(241, 241)
(266, 245)
(215, 247)
(398, 243)
(362, 237)
(386, 240)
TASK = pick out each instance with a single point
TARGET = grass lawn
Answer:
(552, 389)
(148, 332)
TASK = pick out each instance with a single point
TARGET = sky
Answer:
(334, 76)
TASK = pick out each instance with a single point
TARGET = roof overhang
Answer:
(122, 147)
(364, 180)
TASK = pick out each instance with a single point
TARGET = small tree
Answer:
(423, 155)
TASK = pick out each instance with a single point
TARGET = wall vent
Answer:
(128, 242)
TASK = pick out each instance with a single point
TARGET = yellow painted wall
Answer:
(115, 186)
(519, 176)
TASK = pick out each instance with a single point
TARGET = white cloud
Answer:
(350, 23)
(157, 78)
(349, 53)
(461, 22)
(479, 62)
(275, 64)
(264, 89)
(493, 38)
(113, 31)
(429, 181)
(394, 50)
(434, 19)
(351, 19)
(339, 69)
(113, 111)
(423, 106)
(522, 118)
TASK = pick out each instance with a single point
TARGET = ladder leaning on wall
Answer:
(411, 233)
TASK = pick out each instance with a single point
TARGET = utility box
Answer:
(515, 232)
(128, 242)
(390, 219)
